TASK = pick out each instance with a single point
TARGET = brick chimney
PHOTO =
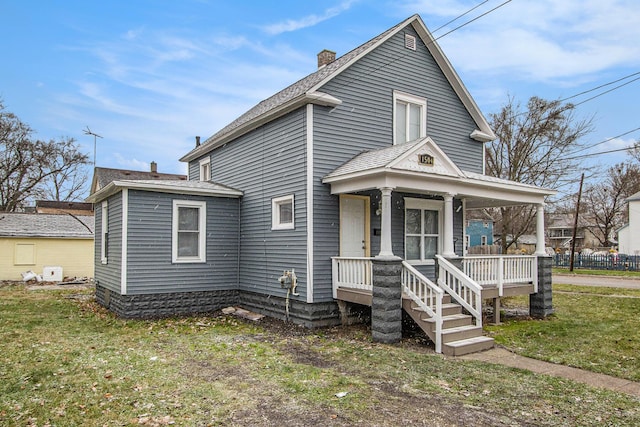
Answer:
(154, 167)
(197, 141)
(326, 57)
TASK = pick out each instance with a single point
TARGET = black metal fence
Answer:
(599, 262)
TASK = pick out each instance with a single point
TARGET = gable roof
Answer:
(46, 225)
(634, 197)
(196, 188)
(305, 91)
(400, 166)
(103, 176)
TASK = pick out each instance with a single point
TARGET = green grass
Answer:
(596, 329)
(68, 362)
(612, 273)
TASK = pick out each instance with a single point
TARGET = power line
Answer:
(459, 16)
(472, 20)
(404, 55)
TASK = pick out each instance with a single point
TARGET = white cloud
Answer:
(307, 21)
(539, 41)
(132, 164)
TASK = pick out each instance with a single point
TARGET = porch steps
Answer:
(459, 334)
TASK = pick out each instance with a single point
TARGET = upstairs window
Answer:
(188, 243)
(205, 169)
(282, 213)
(410, 117)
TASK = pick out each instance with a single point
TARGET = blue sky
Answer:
(150, 75)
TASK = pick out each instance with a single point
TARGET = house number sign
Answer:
(425, 159)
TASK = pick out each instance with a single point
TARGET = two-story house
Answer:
(375, 156)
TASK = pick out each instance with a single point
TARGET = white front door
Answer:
(354, 226)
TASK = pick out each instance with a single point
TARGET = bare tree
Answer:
(533, 146)
(605, 206)
(28, 165)
(635, 151)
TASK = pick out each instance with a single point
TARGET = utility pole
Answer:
(575, 225)
(87, 131)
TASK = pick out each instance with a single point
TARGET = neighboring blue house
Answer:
(479, 232)
(377, 153)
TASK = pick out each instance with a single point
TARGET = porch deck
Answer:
(364, 296)
(450, 312)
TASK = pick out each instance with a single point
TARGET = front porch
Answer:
(450, 308)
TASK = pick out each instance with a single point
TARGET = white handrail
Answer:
(353, 272)
(426, 295)
(461, 287)
(500, 270)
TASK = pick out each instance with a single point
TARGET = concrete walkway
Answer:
(599, 281)
(502, 356)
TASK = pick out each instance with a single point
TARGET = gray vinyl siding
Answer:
(149, 264)
(109, 275)
(364, 121)
(194, 171)
(268, 162)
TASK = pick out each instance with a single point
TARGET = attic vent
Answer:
(409, 42)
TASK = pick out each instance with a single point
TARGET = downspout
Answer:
(239, 240)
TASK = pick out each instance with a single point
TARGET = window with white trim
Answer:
(483, 240)
(282, 213)
(189, 231)
(104, 232)
(409, 117)
(423, 222)
(205, 169)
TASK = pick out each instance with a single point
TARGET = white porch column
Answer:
(386, 250)
(540, 250)
(447, 234)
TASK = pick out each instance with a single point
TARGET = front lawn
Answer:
(611, 273)
(593, 328)
(65, 361)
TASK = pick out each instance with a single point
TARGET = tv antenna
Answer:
(87, 131)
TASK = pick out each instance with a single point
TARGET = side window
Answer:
(205, 169)
(282, 213)
(104, 234)
(422, 230)
(410, 117)
(483, 240)
(189, 232)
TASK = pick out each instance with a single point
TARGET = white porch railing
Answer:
(461, 287)
(426, 295)
(351, 273)
(500, 270)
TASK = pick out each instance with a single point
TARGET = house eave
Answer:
(160, 187)
(311, 97)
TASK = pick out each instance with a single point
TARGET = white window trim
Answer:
(483, 240)
(275, 213)
(202, 230)
(104, 232)
(425, 204)
(412, 99)
(205, 166)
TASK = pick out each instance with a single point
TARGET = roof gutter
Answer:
(313, 97)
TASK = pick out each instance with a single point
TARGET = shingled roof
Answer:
(305, 91)
(103, 176)
(46, 225)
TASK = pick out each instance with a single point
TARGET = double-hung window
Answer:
(205, 169)
(189, 231)
(282, 213)
(410, 117)
(423, 222)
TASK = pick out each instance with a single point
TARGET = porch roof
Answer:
(420, 166)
